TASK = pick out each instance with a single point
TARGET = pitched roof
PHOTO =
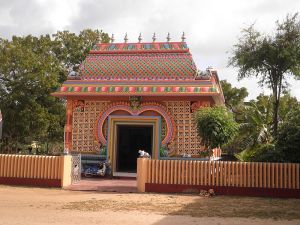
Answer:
(144, 69)
(139, 61)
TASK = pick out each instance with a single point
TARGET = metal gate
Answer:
(76, 168)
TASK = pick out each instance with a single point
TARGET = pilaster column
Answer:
(68, 127)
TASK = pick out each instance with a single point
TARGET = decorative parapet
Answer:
(143, 89)
(141, 47)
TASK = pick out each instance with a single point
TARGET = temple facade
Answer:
(137, 96)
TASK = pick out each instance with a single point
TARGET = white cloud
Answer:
(211, 27)
(59, 13)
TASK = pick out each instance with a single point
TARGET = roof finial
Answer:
(183, 37)
(112, 38)
(125, 38)
(168, 37)
(154, 37)
(140, 38)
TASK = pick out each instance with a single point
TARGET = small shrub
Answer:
(163, 151)
(103, 151)
(260, 153)
(203, 154)
(216, 126)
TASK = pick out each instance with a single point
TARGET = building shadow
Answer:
(233, 210)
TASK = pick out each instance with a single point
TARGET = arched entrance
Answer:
(133, 130)
(127, 134)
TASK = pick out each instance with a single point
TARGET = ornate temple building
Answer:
(137, 96)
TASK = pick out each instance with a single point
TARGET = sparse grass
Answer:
(219, 206)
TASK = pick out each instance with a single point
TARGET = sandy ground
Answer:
(23, 205)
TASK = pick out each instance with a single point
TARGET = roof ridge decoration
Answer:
(145, 47)
(183, 37)
(168, 37)
(154, 37)
(126, 38)
(112, 38)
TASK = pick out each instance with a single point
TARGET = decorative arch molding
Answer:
(147, 106)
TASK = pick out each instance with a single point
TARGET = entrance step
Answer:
(124, 174)
(105, 185)
(124, 178)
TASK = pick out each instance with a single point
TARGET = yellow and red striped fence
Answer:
(186, 173)
(33, 169)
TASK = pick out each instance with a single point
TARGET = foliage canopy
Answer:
(30, 69)
(216, 126)
(234, 97)
(289, 136)
(270, 58)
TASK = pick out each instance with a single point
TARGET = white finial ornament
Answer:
(140, 38)
(183, 37)
(112, 38)
(168, 37)
(154, 37)
(125, 38)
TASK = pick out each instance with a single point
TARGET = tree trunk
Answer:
(47, 148)
(275, 117)
(277, 94)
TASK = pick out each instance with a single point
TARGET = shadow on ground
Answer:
(196, 206)
(246, 208)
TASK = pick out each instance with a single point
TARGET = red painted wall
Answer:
(241, 191)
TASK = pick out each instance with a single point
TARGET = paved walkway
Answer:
(105, 185)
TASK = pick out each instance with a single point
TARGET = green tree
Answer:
(30, 69)
(234, 97)
(216, 126)
(255, 119)
(255, 140)
(260, 153)
(288, 141)
(270, 58)
(72, 49)
(28, 73)
(256, 127)
(287, 103)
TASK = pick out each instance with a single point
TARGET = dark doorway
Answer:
(130, 139)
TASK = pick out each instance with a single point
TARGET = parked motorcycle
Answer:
(102, 169)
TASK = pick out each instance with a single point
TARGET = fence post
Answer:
(142, 172)
(66, 170)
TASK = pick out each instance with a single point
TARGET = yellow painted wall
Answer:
(211, 173)
(31, 166)
(37, 167)
(67, 170)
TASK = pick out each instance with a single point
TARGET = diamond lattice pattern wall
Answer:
(186, 139)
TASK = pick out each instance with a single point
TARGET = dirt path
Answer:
(21, 205)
